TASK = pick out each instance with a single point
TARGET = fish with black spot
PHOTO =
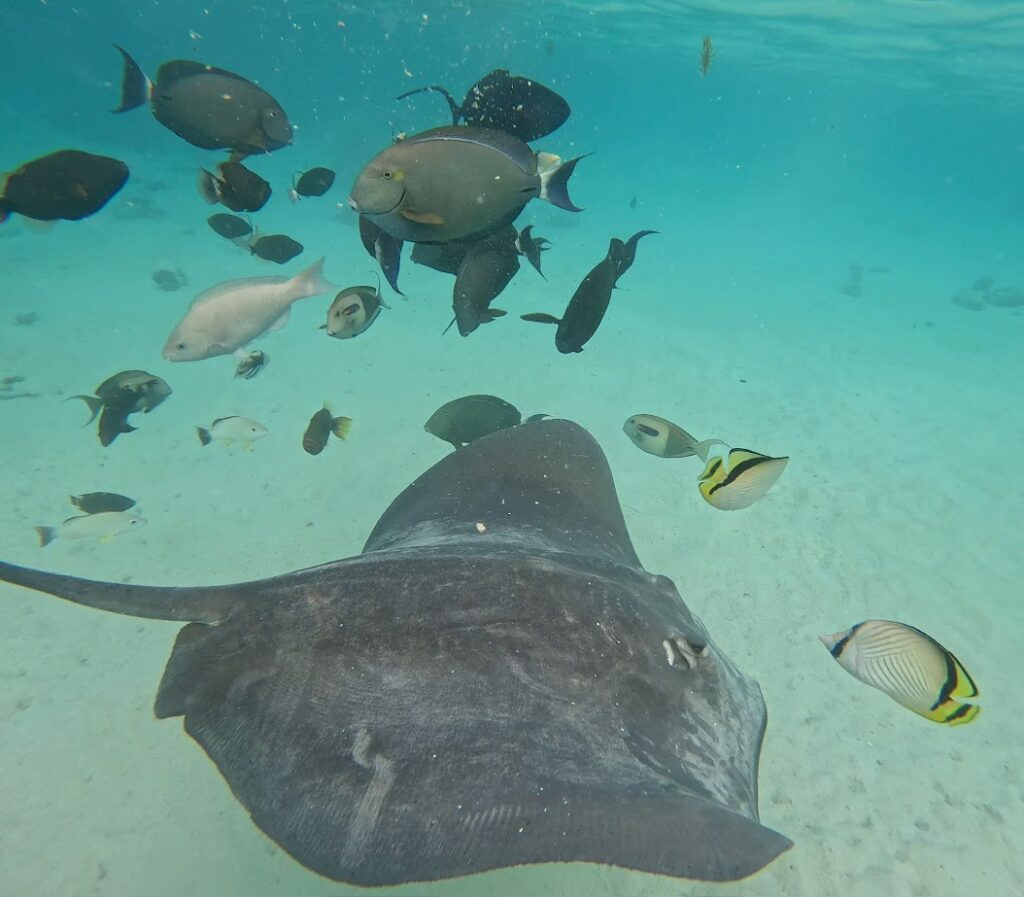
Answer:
(589, 303)
(321, 426)
(125, 393)
(68, 184)
(664, 439)
(209, 107)
(353, 310)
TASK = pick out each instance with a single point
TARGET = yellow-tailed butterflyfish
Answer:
(739, 478)
(909, 666)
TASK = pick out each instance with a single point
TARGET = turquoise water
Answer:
(825, 140)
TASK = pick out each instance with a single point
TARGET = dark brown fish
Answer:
(68, 184)
(463, 420)
(276, 248)
(511, 103)
(321, 426)
(586, 309)
(209, 107)
(234, 186)
(230, 227)
(315, 182)
(101, 502)
(382, 247)
(530, 246)
(126, 392)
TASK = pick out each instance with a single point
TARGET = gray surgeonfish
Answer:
(68, 184)
(495, 681)
(909, 666)
(234, 186)
(353, 310)
(209, 107)
(124, 393)
(586, 309)
(457, 183)
(514, 104)
(231, 227)
(469, 418)
(531, 247)
(384, 249)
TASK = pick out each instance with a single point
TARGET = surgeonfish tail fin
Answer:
(311, 282)
(554, 184)
(204, 436)
(340, 426)
(136, 88)
(541, 318)
(703, 448)
(46, 535)
(95, 406)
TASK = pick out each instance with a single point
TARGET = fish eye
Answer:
(387, 174)
(182, 346)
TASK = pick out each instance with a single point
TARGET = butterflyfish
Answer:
(909, 666)
(738, 478)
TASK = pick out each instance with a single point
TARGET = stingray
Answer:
(494, 681)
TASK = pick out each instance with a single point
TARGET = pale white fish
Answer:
(102, 527)
(229, 315)
(232, 429)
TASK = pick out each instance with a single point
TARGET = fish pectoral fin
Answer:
(541, 318)
(422, 217)
(492, 313)
(281, 321)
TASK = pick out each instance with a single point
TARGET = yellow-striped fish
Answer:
(661, 437)
(909, 666)
(739, 478)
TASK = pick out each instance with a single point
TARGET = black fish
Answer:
(462, 421)
(209, 107)
(510, 103)
(315, 182)
(234, 186)
(495, 681)
(321, 426)
(69, 184)
(126, 392)
(229, 226)
(482, 270)
(532, 247)
(99, 502)
(586, 309)
(384, 249)
(276, 248)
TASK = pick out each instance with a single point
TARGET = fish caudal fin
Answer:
(554, 184)
(541, 318)
(136, 88)
(204, 436)
(340, 426)
(311, 282)
(46, 535)
(211, 190)
(95, 406)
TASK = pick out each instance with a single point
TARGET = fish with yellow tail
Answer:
(738, 477)
(909, 666)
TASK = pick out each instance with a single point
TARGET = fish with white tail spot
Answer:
(230, 315)
(909, 666)
(101, 527)
(229, 430)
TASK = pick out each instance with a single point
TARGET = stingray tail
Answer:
(201, 605)
(455, 107)
(136, 88)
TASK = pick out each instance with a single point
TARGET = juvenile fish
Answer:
(321, 426)
(315, 182)
(234, 186)
(231, 227)
(662, 438)
(738, 478)
(98, 502)
(532, 247)
(227, 316)
(102, 527)
(230, 430)
(353, 310)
